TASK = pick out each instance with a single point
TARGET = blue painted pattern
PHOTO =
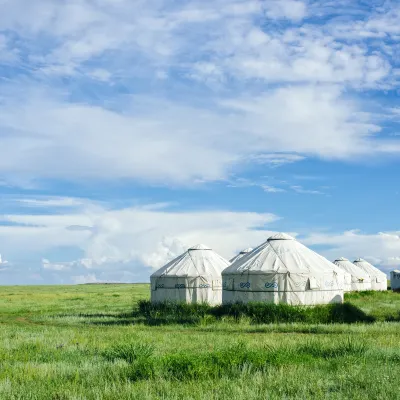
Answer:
(180, 286)
(204, 285)
(270, 285)
(159, 285)
(245, 285)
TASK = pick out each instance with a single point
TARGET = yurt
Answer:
(378, 278)
(360, 280)
(193, 277)
(282, 270)
(395, 280)
(344, 277)
(240, 255)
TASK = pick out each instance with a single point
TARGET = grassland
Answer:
(86, 342)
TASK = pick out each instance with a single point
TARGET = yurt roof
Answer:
(281, 236)
(368, 267)
(200, 247)
(342, 259)
(197, 261)
(240, 255)
(282, 253)
(351, 268)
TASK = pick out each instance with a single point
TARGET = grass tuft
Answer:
(130, 352)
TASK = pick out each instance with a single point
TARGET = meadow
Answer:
(108, 342)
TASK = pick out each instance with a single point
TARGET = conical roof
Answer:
(200, 247)
(281, 236)
(351, 268)
(369, 268)
(197, 261)
(282, 253)
(241, 254)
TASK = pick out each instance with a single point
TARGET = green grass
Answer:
(100, 342)
(257, 313)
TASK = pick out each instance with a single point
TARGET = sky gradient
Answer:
(131, 130)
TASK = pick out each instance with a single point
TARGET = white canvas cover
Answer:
(193, 277)
(395, 279)
(240, 255)
(282, 270)
(360, 280)
(378, 278)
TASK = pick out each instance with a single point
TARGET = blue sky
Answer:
(132, 130)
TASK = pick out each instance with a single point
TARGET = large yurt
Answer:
(193, 277)
(240, 255)
(395, 280)
(378, 278)
(282, 270)
(360, 280)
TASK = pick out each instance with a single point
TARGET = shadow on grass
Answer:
(393, 318)
(94, 315)
(169, 313)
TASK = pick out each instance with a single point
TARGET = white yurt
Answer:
(344, 277)
(395, 279)
(378, 278)
(193, 277)
(240, 255)
(360, 280)
(282, 270)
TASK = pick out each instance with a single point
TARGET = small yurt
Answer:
(282, 270)
(240, 255)
(360, 280)
(378, 278)
(193, 277)
(395, 280)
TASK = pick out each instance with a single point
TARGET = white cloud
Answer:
(210, 39)
(276, 160)
(301, 190)
(393, 261)
(8, 55)
(272, 189)
(82, 279)
(214, 128)
(3, 262)
(382, 248)
(55, 201)
(126, 242)
(168, 142)
(290, 9)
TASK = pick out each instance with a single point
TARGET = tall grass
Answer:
(258, 313)
(226, 362)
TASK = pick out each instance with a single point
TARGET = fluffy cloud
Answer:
(382, 248)
(290, 9)
(76, 63)
(236, 38)
(169, 142)
(126, 245)
(123, 244)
